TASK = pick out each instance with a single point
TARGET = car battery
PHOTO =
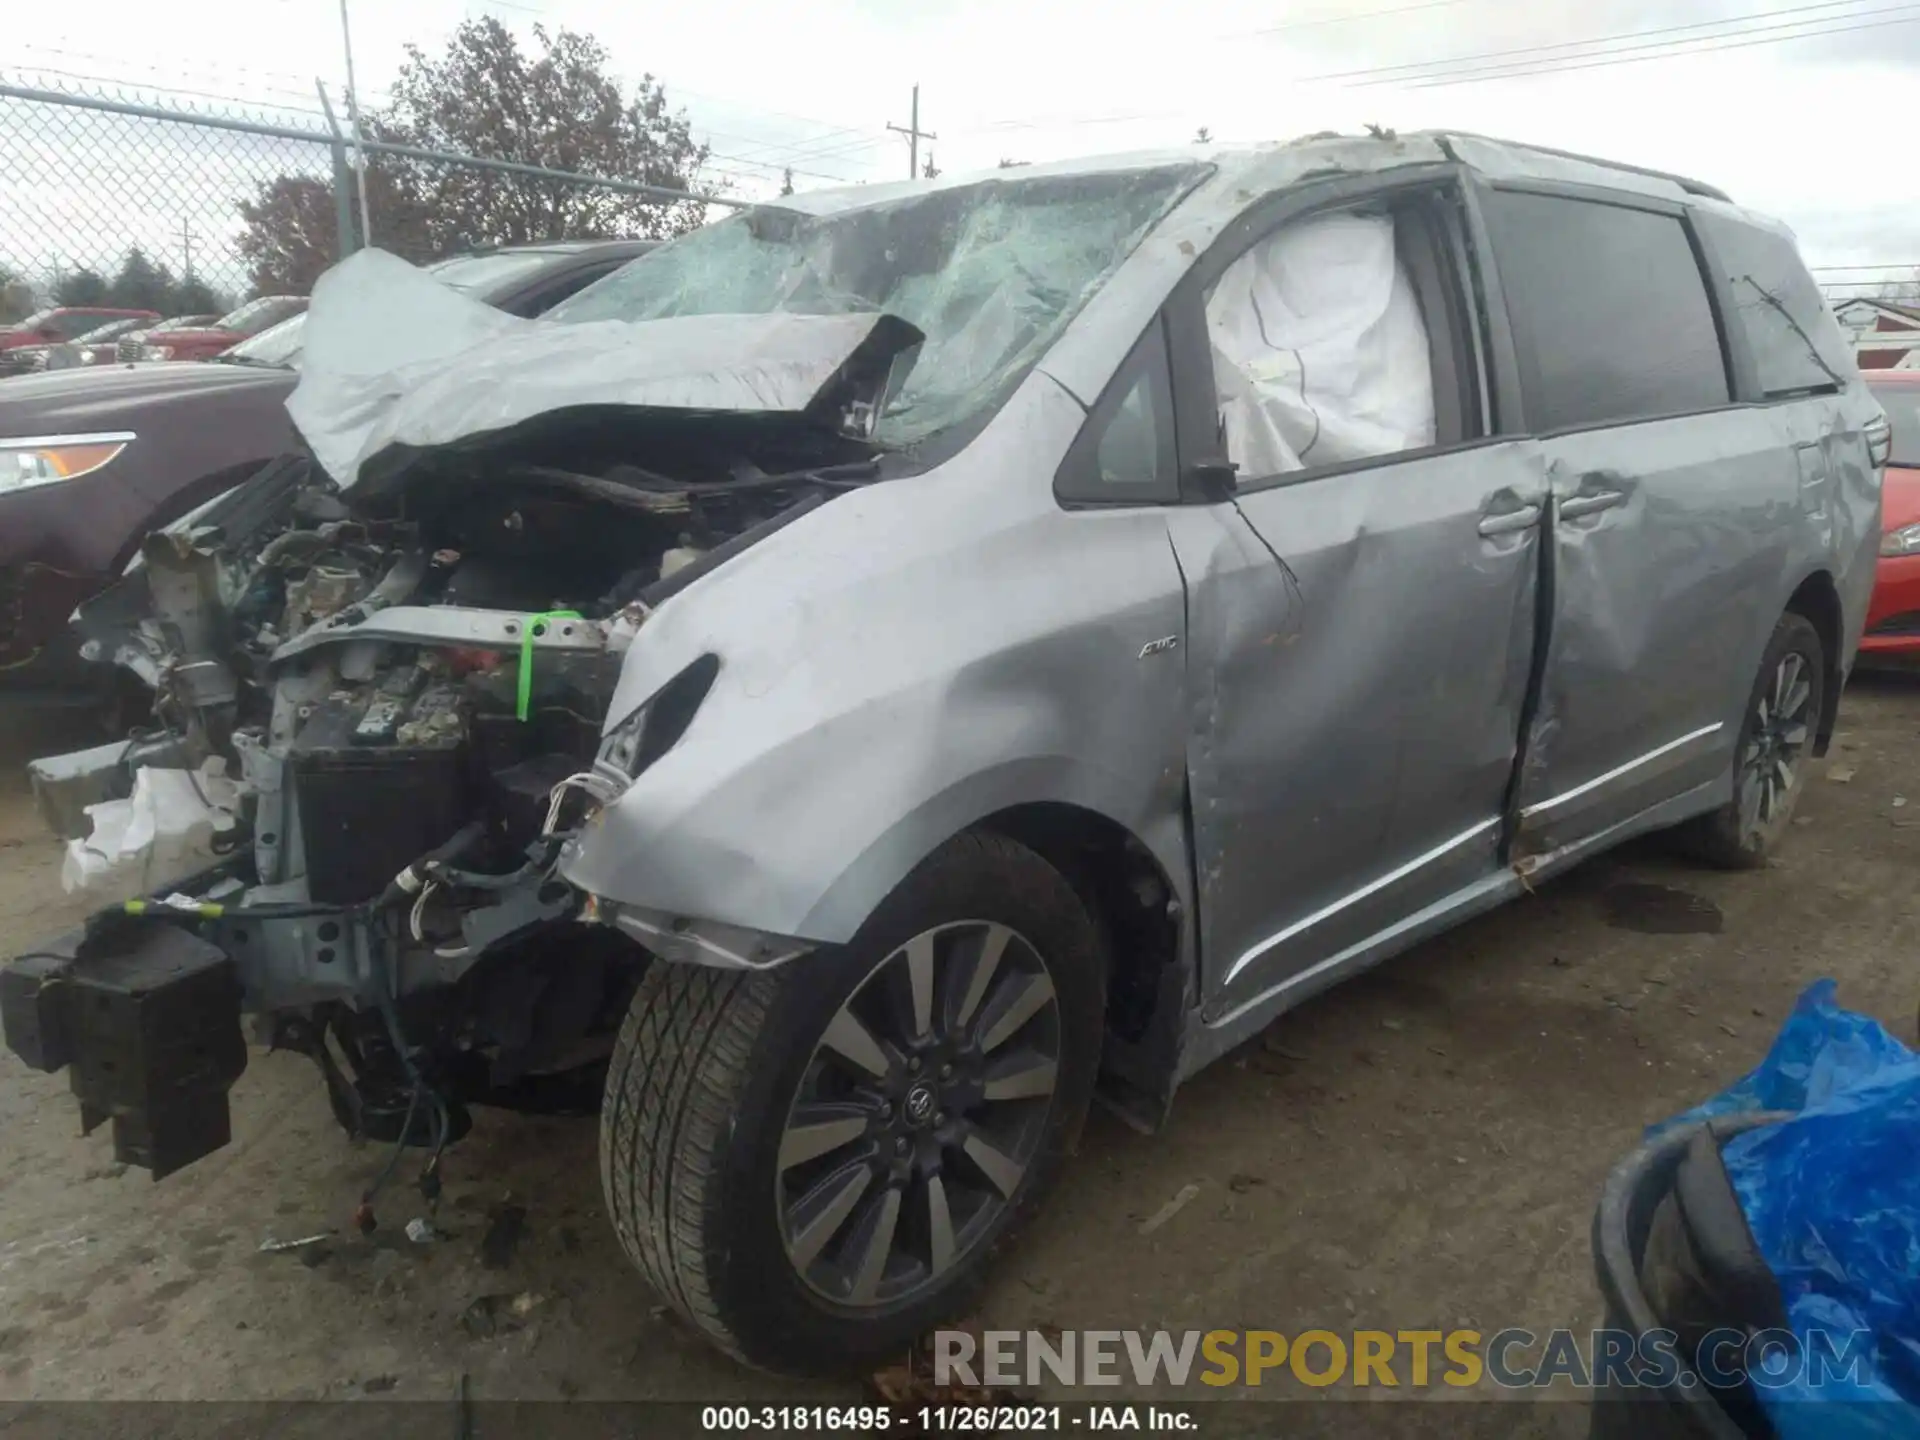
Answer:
(378, 781)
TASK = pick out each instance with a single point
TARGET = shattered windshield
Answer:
(991, 272)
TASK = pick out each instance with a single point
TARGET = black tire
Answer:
(1736, 836)
(706, 1071)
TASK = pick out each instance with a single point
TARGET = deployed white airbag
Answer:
(393, 357)
(160, 834)
(1319, 351)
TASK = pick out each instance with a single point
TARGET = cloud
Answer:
(1783, 126)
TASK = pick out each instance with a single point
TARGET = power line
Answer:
(1072, 122)
(1666, 52)
(819, 150)
(1364, 15)
(780, 154)
(305, 82)
(681, 90)
(1885, 265)
(1372, 72)
(310, 113)
(779, 165)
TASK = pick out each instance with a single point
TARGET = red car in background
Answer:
(1893, 619)
(64, 322)
(226, 332)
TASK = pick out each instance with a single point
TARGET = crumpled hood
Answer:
(394, 358)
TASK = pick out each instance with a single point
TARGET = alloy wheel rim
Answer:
(1777, 734)
(920, 1111)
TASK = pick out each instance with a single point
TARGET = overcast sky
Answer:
(1793, 129)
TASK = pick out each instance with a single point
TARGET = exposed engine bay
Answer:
(379, 711)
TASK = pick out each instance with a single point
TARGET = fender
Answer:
(893, 667)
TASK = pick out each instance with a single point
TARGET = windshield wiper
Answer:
(1779, 306)
(250, 360)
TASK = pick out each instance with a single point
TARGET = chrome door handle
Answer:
(1576, 506)
(1508, 521)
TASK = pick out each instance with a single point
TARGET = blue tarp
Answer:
(1833, 1198)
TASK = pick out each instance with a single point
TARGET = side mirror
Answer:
(1211, 480)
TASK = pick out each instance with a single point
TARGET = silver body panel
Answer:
(1342, 718)
(882, 703)
(1341, 713)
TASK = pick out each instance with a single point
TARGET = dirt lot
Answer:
(1420, 1149)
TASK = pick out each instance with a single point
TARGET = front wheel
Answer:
(1770, 760)
(814, 1164)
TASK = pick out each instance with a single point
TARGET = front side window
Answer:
(468, 273)
(991, 272)
(256, 315)
(1610, 316)
(276, 345)
(1320, 352)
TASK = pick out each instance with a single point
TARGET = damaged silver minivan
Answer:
(879, 670)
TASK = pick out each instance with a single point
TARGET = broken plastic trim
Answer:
(681, 941)
(656, 725)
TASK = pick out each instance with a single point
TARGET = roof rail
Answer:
(1692, 187)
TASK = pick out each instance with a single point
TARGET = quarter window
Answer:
(1609, 311)
(1797, 345)
(1125, 454)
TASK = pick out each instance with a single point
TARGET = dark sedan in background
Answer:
(25, 359)
(93, 458)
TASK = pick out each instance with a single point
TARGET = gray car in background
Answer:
(886, 665)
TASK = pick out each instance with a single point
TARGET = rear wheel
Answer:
(814, 1164)
(1770, 760)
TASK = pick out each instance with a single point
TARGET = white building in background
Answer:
(1886, 335)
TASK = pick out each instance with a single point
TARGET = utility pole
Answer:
(186, 248)
(911, 130)
(353, 119)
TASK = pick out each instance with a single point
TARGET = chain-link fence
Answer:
(166, 203)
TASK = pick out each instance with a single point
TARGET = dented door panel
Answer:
(1673, 543)
(1359, 647)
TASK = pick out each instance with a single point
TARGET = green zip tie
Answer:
(534, 627)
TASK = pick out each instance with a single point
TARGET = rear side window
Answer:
(1798, 347)
(1609, 312)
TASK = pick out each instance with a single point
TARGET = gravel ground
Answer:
(1420, 1149)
